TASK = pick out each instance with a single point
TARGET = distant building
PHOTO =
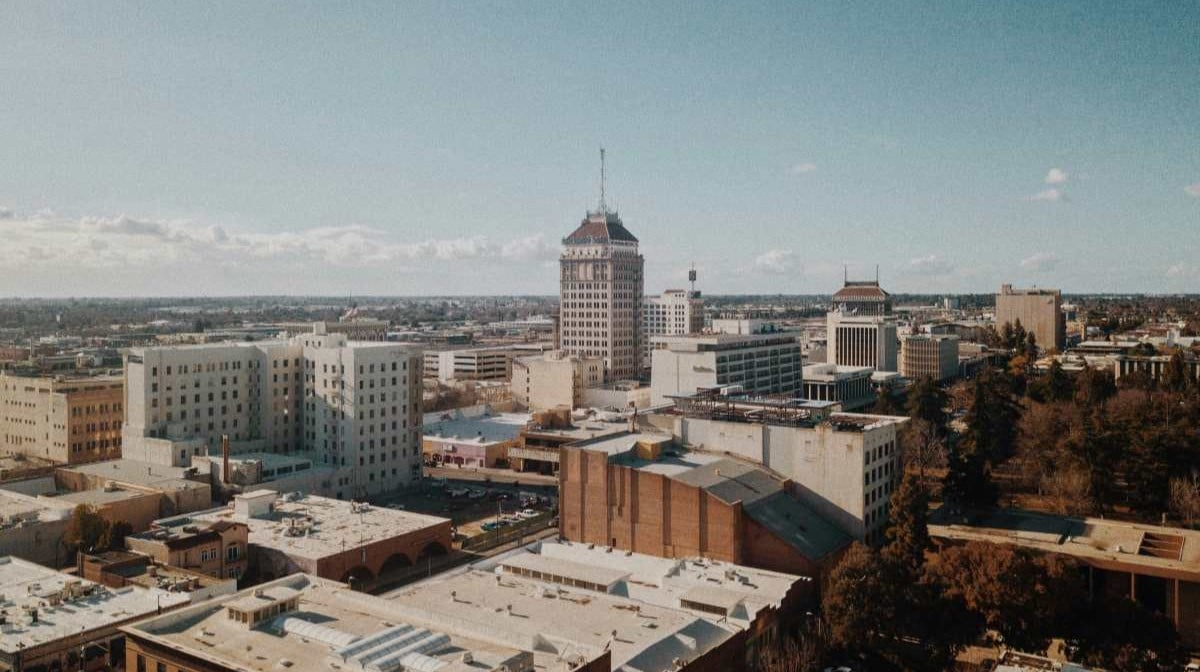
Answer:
(933, 357)
(554, 379)
(1154, 366)
(1038, 310)
(642, 492)
(354, 329)
(347, 541)
(351, 405)
(760, 364)
(741, 326)
(64, 419)
(600, 295)
(861, 330)
(677, 312)
(470, 364)
(52, 618)
(849, 386)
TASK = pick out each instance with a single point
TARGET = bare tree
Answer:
(794, 654)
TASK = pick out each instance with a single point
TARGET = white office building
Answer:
(351, 405)
(677, 312)
(860, 330)
(760, 364)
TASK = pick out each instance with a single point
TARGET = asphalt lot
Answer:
(467, 513)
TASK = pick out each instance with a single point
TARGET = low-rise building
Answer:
(759, 363)
(539, 445)
(476, 440)
(849, 386)
(1154, 366)
(177, 490)
(56, 621)
(118, 569)
(923, 356)
(220, 550)
(32, 529)
(347, 541)
(63, 419)
(555, 379)
(1159, 567)
(493, 363)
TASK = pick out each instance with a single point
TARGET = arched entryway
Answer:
(394, 563)
(432, 550)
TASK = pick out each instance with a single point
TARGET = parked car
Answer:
(476, 493)
(459, 492)
(525, 514)
(493, 525)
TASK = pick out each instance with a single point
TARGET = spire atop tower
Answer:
(603, 205)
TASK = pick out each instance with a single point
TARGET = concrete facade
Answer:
(600, 294)
(849, 386)
(354, 406)
(554, 379)
(1038, 310)
(65, 420)
(933, 357)
(677, 312)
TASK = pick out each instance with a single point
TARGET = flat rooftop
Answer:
(481, 429)
(1148, 549)
(136, 569)
(66, 606)
(565, 621)
(741, 591)
(326, 526)
(331, 625)
(146, 474)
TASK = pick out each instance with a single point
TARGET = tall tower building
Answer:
(1038, 310)
(600, 292)
(860, 329)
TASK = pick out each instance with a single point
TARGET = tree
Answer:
(885, 400)
(923, 434)
(1122, 635)
(86, 530)
(1025, 598)
(802, 653)
(114, 537)
(1185, 499)
(1094, 387)
(1175, 377)
(859, 603)
(908, 529)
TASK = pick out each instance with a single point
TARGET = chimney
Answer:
(225, 458)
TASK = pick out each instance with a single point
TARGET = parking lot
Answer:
(472, 503)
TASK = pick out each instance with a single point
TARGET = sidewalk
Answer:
(493, 475)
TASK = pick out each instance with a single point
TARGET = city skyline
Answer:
(376, 150)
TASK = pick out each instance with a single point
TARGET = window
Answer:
(141, 663)
(231, 553)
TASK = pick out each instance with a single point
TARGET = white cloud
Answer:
(1040, 262)
(930, 264)
(802, 168)
(1056, 176)
(1180, 270)
(116, 242)
(1193, 189)
(778, 262)
(1051, 195)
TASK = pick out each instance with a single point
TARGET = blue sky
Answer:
(412, 148)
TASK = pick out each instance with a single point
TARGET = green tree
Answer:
(1175, 377)
(114, 537)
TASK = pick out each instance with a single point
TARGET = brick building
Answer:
(62, 419)
(643, 493)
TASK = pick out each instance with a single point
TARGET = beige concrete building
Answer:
(600, 294)
(61, 419)
(554, 379)
(923, 356)
(354, 406)
(493, 363)
(759, 363)
(1038, 310)
(677, 312)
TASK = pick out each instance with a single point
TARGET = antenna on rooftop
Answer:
(692, 277)
(603, 205)
(877, 274)
(845, 274)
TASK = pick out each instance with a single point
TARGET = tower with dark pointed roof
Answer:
(600, 292)
(861, 330)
